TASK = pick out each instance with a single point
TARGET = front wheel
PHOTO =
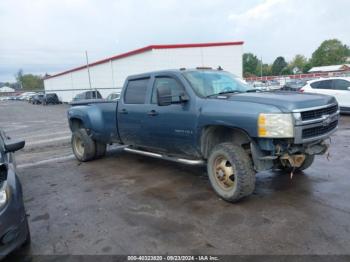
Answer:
(231, 172)
(83, 145)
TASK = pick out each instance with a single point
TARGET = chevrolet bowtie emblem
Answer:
(326, 120)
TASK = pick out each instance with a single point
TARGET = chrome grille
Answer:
(319, 130)
(318, 113)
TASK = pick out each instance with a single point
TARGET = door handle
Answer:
(152, 113)
(124, 111)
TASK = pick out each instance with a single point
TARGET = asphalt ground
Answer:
(131, 204)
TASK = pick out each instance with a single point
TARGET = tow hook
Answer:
(294, 160)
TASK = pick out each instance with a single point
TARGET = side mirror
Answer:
(184, 97)
(13, 145)
(164, 95)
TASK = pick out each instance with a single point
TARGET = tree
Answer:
(297, 64)
(266, 70)
(330, 52)
(29, 81)
(307, 67)
(19, 76)
(32, 82)
(278, 65)
(286, 71)
(250, 64)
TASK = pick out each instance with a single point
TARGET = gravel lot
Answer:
(130, 204)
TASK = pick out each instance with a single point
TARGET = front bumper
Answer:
(13, 225)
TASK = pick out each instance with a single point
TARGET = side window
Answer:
(88, 95)
(136, 91)
(314, 84)
(341, 84)
(176, 88)
(97, 94)
(325, 84)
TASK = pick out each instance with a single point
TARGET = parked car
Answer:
(14, 229)
(273, 85)
(293, 86)
(339, 87)
(208, 117)
(50, 98)
(30, 99)
(258, 85)
(26, 95)
(113, 96)
(37, 99)
(88, 95)
(15, 97)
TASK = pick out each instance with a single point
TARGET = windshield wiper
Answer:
(223, 93)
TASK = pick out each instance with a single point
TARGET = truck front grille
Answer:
(318, 113)
(319, 130)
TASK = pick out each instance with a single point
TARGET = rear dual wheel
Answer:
(85, 148)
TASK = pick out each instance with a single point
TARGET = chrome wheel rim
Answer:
(224, 173)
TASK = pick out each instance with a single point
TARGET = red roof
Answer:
(145, 49)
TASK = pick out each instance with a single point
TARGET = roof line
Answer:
(145, 49)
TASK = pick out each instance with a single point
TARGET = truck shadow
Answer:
(268, 183)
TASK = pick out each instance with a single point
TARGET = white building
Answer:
(108, 75)
(6, 89)
(330, 68)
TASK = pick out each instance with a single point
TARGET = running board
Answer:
(174, 159)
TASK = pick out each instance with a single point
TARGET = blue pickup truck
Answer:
(204, 116)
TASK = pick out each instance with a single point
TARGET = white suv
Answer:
(339, 87)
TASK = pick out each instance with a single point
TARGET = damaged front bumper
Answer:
(268, 153)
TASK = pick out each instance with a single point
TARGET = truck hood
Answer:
(285, 101)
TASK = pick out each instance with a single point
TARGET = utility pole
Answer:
(88, 69)
(261, 65)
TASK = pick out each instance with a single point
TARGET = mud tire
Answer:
(241, 164)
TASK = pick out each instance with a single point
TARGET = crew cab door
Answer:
(170, 128)
(132, 112)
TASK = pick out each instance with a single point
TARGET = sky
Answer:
(50, 36)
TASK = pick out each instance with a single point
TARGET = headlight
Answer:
(275, 125)
(4, 194)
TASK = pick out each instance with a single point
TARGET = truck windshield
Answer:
(211, 83)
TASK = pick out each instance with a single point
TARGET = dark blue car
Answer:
(14, 230)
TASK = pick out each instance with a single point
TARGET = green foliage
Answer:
(286, 71)
(29, 81)
(297, 64)
(330, 52)
(266, 70)
(279, 65)
(250, 65)
(307, 67)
